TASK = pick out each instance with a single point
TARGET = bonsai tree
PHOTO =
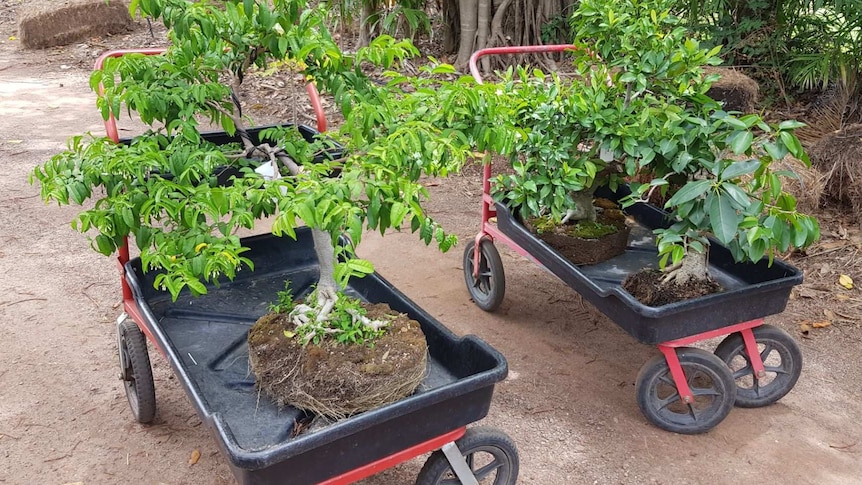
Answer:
(718, 163)
(557, 164)
(637, 106)
(161, 188)
(183, 199)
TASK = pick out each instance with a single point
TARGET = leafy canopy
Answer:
(637, 107)
(163, 188)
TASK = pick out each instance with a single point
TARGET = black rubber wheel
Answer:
(135, 371)
(489, 287)
(782, 361)
(490, 454)
(711, 384)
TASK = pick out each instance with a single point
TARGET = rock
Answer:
(52, 25)
(734, 89)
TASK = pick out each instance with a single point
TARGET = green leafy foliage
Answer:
(284, 300)
(807, 43)
(638, 108)
(163, 188)
(721, 163)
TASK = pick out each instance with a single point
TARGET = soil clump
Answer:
(734, 89)
(585, 242)
(647, 287)
(336, 379)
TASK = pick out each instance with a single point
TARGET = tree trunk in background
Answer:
(483, 31)
(451, 24)
(368, 9)
(506, 22)
(469, 15)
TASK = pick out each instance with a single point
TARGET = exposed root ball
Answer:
(647, 287)
(734, 89)
(333, 379)
(838, 156)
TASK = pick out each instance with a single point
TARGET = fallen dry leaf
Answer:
(845, 281)
(829, 314)
(196, 455)
(832, 245)
(805, 292)
(805, 329)
(842, 297)
(822, 324)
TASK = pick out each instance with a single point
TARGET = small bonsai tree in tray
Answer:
(183, 199)
(636, 108)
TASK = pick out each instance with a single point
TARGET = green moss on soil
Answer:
(583, 229)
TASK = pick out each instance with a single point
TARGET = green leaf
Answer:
(195, 285)
(228, 125)
(627, 77)
(360, 266)
(689, 191)
(677, 254)
(792, 143)
(776, 151)
(790, 125)
(104, 245)
(737, 194)
(741, 142)
(737, 169)
(128, 217)
(723, 219)
(735, 123)
(757, 250)
(397, 213)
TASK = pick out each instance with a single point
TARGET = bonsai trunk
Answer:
(693, 267)
(327, 289)
(583, 209)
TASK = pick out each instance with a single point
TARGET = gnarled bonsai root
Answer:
(694, 267)
(686, 280)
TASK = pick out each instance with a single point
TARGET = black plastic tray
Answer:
(223, 174)
(204, 340)
(751, 290)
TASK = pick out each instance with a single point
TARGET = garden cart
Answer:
(204, 339)
(685, 389)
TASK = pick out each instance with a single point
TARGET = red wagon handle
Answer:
(111, 123)
(518, 49)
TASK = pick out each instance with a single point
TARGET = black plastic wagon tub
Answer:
(749, 291)
(204, 340)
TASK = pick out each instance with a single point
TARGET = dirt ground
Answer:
(569, 401)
